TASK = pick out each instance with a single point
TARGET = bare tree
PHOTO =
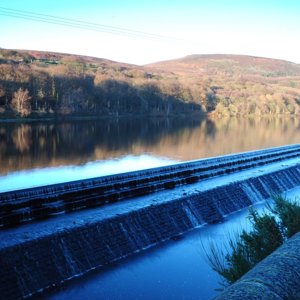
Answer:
(21, 102)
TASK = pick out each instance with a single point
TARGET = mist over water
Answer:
(70, 150)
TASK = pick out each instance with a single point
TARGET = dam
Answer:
(52, 234)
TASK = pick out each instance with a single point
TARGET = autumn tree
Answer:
(20, 102)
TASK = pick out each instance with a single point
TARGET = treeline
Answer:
(37, 83)
(35, 87)
(79, 95)
(260, 98)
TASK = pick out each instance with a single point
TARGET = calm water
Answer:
(39, 153)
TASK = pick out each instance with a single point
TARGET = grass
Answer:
(269, 230)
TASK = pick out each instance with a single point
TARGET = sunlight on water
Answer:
(40, 177)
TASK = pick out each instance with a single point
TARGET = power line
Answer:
(74, 23)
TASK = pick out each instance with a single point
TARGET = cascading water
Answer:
(40, 203)
(50, 255)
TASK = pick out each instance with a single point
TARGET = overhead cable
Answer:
(80, 24)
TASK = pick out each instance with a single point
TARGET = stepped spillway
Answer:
(38, 255)
(25, 205)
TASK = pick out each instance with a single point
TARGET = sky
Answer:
(166, 29)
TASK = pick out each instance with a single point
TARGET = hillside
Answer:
(34, 83)
(239, 85)
(229, 65)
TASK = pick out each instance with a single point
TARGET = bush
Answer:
(269, 231)
(288, 213)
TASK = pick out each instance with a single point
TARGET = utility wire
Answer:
(74, 23)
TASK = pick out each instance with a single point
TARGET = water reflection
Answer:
(25, 146)
(36, 145)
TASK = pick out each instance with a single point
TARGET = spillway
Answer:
(38, 203)
(127, 213)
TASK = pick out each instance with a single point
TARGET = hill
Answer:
(46, 84)
(227, 64)
(238, 84)
(39, 83)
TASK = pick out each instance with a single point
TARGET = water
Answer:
(175, 270)
(51, 175)
(39, 153)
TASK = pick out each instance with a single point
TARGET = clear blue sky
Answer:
(262, 28)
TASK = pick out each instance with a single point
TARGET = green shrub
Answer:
(288, 213)
(269, 231)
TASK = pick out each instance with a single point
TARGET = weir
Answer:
(25, 205)
(44, 254)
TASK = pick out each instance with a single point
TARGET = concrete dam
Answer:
(52, 234)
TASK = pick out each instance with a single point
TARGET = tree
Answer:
(21, 102)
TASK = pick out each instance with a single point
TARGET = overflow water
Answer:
(177, 269)
(114, 217)
(69, 245)
(53, 175)
(43, 202)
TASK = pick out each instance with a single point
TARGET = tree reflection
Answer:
(32, 145)
(21, 137)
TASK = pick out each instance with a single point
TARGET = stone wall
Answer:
(277, 277)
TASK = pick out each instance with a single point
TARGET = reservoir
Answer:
(36, 153)
(174, 265)
(40, 153)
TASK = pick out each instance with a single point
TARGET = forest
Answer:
(39, 84)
